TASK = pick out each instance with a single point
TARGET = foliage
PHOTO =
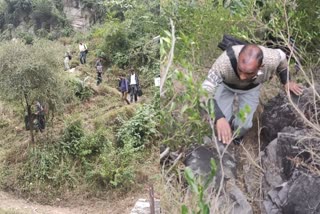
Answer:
(44, 15)
(181, 113)
(72, 137)
(139, 129)
(98, 6)
(80, 88)
(97, 161)
(27, 37)
(128, 34)
(33, 74)
(199, 188)
(33, 71)
(116, 167)
(200, 26)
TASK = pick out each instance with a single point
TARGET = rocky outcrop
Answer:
(79, 17)
(291, 180)
(199, 161)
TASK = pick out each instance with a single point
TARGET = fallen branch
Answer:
(164, 153)
(175, 163)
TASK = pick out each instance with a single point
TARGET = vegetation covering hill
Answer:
(93, 142)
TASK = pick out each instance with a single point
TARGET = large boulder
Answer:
(289, 185)
(279, 113)
(198, 159)
(300, 195)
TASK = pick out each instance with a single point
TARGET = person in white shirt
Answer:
(133, 84)
(83, 52)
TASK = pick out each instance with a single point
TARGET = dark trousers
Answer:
(99, 78)
(83, 57)
(124, 97)
(133, 93)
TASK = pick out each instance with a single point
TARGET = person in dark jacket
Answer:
(124, 88)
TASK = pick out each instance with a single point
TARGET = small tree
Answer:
(31, 72)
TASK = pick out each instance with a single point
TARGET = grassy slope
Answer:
(101, 110)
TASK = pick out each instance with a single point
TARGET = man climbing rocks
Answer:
(241, 70)
(134, 84)
(83, 52)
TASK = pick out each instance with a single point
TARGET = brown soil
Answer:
(11, 204)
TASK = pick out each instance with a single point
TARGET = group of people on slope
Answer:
(83, 56)
(129, 85)
(126, 85)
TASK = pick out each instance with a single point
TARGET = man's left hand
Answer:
(294, 88)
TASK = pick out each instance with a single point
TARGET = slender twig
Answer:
(164, 153)
(171, 54)
(174, 163)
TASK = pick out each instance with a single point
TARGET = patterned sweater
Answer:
(274, 60)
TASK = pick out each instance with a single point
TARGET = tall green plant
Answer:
(31, 72)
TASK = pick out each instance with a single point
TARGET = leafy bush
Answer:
(93, 144)
(71, 139)
(120, 59)
(116, 167)
(138, 130)
(80, 88)
(28, 38)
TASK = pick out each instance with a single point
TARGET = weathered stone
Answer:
(300, 195)
(240, 203)
(279, 113)
(199, 161)
(142, 206)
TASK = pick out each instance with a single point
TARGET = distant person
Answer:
(99, 70)
(40, 115)
(67, 58)
(83, 52)
(133, 84)
(124, 87)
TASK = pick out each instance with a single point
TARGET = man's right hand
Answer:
(224, 130)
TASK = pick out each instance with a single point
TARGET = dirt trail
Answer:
(10, 204)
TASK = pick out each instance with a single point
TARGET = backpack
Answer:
(228, 41)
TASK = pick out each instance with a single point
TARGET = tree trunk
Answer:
(29, 117)
(30, 122)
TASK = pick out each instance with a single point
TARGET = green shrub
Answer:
(27, 37)
(71, 139)
(116, 167)
(4, 123)
(92, 144)
(138, 130)
(80, 88)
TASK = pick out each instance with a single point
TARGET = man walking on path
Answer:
(241, 70)
(83, 52)
(134, 84)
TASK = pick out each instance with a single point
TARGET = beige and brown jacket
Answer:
(274, 61)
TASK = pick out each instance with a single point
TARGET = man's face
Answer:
(247, 69)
